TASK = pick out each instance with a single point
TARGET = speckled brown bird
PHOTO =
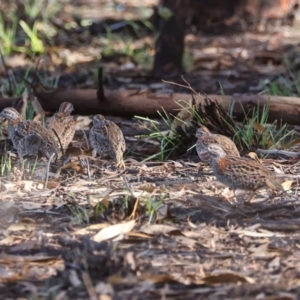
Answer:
(106, 137)
(241, 173)
(29, 137)
(205, 138)
(63, 124)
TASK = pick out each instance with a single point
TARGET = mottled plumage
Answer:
(29, 137)
(106, 137)
(63, 124)
(205, 138)
(239, 172)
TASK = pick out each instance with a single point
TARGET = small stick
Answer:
(60, 145)
(47, 170)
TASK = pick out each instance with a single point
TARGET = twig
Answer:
(40, 211)
(88, 167)
(60, 145)
(86, 139)
(47, 170)
(113, 176)
(188, 86)
(89, 286)
(282, 225)
(279, 152)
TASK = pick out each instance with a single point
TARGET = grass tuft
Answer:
(255, 131)
(31, 31)
(36, 44)
(169, 139)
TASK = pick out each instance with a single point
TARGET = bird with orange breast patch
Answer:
(239, 172)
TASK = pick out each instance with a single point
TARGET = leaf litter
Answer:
(89, 234)
(204, 241)
(154, 228)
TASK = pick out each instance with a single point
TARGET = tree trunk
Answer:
(212, 16)
(170, 43)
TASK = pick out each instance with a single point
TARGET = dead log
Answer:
(115, 102)
(128, 103)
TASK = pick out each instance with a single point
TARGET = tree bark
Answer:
(170, 43)
(211, 16)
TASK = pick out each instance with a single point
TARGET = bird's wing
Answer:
(48, 123)
(103, 142)
(114, 134)
(32, 143)
(22, 128)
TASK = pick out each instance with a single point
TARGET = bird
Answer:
(29, 137)
(63, 124)
(241, 173)
(106, 137)
(205, 138)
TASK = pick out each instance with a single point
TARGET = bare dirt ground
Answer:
(157, 230)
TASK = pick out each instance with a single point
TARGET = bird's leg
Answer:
(47, 170)
(120, 161)
(121, 164)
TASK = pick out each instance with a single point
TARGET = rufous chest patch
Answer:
(222, 164)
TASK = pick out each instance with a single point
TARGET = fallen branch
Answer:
(279, 153)
(128, 103)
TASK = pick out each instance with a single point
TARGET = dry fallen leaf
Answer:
(227, 277)
(158, 278)
(194, 226)
(254, 156)
(94, 200)
(52, 184)
(277, 170)
(83, 122)
(114, 231)
(74, 165)
(31, 205)
(258, 127)
(90, 228)
(287, 184)
(22, 226)
(295, 142)
(156, 229)
(148, 188)
(29, 185)
(7, 241)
